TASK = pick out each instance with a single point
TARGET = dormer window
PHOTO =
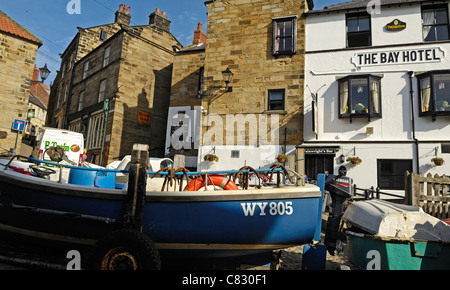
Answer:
(103, 35)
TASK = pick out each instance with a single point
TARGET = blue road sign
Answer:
(18, 125)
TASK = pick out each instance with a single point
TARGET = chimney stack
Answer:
(160, 20)
(123, 15)
(199, 36)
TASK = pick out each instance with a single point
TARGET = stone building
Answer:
(115, 84)
(18, 49)
(259, 113)
(37, 104)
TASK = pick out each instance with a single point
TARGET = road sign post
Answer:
(19, 126)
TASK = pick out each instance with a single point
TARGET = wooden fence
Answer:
(431, 193)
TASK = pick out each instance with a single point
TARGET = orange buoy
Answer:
(213, 179)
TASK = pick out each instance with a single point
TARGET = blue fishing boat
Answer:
(92, 210)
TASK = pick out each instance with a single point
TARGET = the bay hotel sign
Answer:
(409, 56)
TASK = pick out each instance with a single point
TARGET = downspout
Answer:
(416, 141)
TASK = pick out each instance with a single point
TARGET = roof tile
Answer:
(10, 26)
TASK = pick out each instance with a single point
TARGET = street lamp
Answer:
(44, 72)
(227, 77)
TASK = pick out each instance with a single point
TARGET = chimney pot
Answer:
(123, 15)
(199, 35)
(157, 10)
(164, 13)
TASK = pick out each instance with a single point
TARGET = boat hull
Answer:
(376, 253)
(200, 224)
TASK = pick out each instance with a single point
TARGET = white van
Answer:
(71, 142)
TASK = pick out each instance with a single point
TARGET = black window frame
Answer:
(433, 26)
(434, 108)
(269, 101)
(350, 113)
(359, 33)
(276, 36)
(398, 177)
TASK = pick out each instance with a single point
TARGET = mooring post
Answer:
(137, 183)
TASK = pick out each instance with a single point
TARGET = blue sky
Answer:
(50, 21)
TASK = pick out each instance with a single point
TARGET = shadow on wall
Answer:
(146, 123)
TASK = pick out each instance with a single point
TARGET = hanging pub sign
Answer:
(396, 25)
(393, 57)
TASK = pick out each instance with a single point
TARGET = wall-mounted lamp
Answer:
(44, 71)
(342, 159)
(227, 78)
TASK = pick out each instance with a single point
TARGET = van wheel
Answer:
(126, 250)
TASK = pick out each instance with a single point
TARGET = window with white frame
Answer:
(95, 132)
(66, 93)
(81, 101)
(85, 69)
(101, 93)
(75, 127)
(106, 56)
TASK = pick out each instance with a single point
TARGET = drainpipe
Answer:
(416, 141)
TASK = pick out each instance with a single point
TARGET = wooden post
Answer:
(300, 163)
(137, 183)
(179, 160)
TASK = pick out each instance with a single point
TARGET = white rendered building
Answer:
(377, 87)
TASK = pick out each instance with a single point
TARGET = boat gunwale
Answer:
(73, 190)
(393, 239)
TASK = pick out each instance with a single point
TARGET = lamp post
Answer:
(45, 72)
(227, 77)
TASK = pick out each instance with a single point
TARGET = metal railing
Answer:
(372, 193)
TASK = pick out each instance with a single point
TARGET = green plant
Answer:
(438, 161)
(282, 158)
(211, 157)
(354, 160)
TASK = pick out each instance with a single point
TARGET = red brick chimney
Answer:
(199, 36)
(35, 75)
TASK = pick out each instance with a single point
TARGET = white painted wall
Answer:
(324, 67)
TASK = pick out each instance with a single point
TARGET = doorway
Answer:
(318, 163)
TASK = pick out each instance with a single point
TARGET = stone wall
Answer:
(17, 59)
(240, 38)
(145, 81)
(187, 68)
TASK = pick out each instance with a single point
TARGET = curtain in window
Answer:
(376, 96)
(278, 39)
(427, 22)
(343, 97)
(425, 90)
